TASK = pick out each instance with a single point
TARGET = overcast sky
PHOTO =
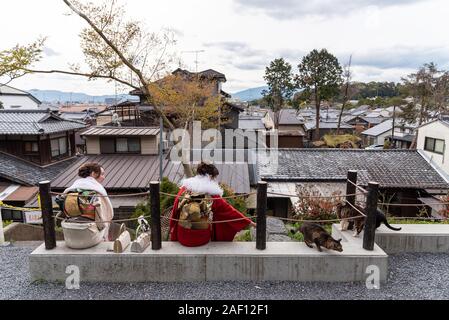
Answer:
(387, 38)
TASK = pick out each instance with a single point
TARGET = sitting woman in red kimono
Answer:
(205, 184)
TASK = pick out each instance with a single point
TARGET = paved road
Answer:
(412, 276)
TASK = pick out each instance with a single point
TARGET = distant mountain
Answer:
(77, 97)
(250, 94)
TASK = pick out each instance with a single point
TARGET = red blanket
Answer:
(218, 232)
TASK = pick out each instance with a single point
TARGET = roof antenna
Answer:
(196, 52)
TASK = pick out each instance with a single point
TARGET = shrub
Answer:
(6, 223)
(336, 141)
(445, 211)
(144, 208)
(243, 236)
(309, 207)
(238, 203)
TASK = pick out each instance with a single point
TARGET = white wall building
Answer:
(15, 99)
(433, 143)
(377, 134)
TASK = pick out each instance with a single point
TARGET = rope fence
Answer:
(353, 190)
(316, 197)
(356, 209)
(140, 194)
(357, 186)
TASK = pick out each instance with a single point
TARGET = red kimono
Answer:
(218, 232)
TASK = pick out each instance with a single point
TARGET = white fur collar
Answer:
(202, 184)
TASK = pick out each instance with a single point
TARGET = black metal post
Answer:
(161, 149)
(351, 189)
(47, 215)
(261, 229)
(155, 200)
(370, 211)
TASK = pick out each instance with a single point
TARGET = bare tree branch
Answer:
(110, 44)
(88, 75)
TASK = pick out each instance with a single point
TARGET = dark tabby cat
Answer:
(315, 234)
(344, 212)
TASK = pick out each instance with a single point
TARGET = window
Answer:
(58, 147)
(134, 145)
(434, 145)
(107, 145)
(120, 145)
(31, 147)
(12, 215)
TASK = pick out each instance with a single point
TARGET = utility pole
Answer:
(392, 130)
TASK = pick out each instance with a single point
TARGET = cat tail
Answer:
(390, 227)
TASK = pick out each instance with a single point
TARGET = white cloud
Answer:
(240, 37)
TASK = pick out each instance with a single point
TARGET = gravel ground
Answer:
(412, 276)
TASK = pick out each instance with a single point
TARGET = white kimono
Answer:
(105, 212)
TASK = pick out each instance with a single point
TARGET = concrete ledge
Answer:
(428, 238)
(230, 261)
(424, 238)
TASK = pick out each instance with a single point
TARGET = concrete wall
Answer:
(426, 238)
(435, 130)
(25, 103)
(218, 261)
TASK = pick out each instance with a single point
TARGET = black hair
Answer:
(207, 169)
(87, 169)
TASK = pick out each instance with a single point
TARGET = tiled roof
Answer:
(121, 131)
(290, 116)
(34, 123)
(311, 125)
(374, 120)
(390, 168)
(23, 172)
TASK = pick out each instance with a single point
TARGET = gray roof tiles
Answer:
(26, 173)
(290, 116)
(34, 123)
(390, 168)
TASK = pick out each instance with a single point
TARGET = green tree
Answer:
(281, 85)
(421, 87)
(320, 74)
(1, 106)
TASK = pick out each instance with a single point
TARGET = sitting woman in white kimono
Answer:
(87, 229)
